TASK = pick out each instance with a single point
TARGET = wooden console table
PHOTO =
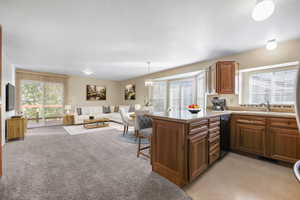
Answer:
(68, 119)
(16, 128)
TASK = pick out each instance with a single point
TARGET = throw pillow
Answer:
(116, 109)
(79, 111)
(106, 109)
(131, 108)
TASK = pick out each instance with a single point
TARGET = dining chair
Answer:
(126, 120)
(144, 131)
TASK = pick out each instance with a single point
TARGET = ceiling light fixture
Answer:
(87, 72)
(263, 10)
(271, 44)
(149, 82)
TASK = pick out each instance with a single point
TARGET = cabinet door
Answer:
(225, 72)
(250, 138)
(169, 151)
(198, 155)
(284, 144)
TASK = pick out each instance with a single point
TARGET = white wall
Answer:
(8, 76)
(77, 91)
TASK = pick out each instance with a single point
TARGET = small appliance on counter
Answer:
(218, 104)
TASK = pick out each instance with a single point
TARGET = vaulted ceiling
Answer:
(115, 38)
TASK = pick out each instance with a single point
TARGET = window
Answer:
(274, 85)
(42, 100)
(159, 96)
(181, 94)
(178, 93)
(201, 88)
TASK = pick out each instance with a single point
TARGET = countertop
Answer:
(186, 116)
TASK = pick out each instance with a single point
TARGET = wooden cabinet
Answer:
(16, 128)
(214, 140)
(250, 138)
(225, 77)
(169, 150)
(198, 154)
(181, 149)
(273, 137)
(284, 139)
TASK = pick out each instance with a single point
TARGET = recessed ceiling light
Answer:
(263, 10)
(271, 44)
(87, 72)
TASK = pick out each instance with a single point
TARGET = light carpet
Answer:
(52, 165)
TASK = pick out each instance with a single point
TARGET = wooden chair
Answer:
(144, 130)
(297, 170)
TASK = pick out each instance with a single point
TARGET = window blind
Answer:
(275, 86)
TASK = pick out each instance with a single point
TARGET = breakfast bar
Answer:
(185, 144)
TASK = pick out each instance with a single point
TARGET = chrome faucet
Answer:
(266, 105)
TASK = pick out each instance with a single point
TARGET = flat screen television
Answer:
(10, 97)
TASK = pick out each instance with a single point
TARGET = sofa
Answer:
(97, 112)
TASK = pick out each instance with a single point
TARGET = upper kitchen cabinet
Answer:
(225, 77)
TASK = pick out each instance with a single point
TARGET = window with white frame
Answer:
(178, 93)
(201, 88)
(275, 85)
(159, 96)
(181, 93)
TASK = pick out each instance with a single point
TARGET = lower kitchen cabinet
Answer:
(250, 138)
(284, 144)
(198, 154)
(277, 138)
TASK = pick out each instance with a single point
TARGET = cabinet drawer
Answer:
(214, 124)
(198, 124)
(213, 147)
(200, 129)
(214, 156)
(198, 135)
(282, 122)
(251, 120)
(214, 134)
(215, 129)
(215, 139)
(214, 119)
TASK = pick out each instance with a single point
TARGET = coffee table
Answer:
(96, 123)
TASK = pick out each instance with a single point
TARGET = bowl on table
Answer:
(194, 108)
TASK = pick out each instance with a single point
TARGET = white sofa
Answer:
(97, 112)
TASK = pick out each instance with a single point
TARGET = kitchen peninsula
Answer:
(184, 145)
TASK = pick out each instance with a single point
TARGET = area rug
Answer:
(79, 129)
(129, 137)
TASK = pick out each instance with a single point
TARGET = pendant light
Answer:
(149, 82)
(263, 10)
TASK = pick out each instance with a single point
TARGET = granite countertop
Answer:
(186, 116)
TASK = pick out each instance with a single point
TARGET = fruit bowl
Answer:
(194, 108)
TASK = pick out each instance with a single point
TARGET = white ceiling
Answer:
(115, 38)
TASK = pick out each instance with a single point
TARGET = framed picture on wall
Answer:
(130, 92)
(95, 93)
